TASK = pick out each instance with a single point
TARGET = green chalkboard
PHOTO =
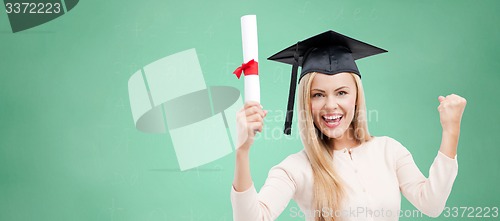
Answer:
(70, 148)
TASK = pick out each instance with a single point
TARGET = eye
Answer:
(342, 93)
(317, 95)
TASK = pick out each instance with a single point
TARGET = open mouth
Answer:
(333, 120)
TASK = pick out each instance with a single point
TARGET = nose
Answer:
(331, 103)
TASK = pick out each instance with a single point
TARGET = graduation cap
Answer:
(328, 53)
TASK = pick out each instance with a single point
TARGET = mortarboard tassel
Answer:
(291, 95)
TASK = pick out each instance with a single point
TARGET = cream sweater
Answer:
(374, 175)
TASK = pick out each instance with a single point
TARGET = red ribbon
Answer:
(249, 68)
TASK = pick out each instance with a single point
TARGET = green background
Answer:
(69, 149)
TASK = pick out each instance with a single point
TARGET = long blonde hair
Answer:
(328, 187)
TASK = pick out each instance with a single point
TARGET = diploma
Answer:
(250, 58)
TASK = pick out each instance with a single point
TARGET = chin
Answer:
(335, 134)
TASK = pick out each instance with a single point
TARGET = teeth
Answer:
(332, 117)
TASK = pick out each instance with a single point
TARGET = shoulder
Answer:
(387, 143)
(296, 168)
(383, 140)
(393, 151)
(388, 147)
(295, 162)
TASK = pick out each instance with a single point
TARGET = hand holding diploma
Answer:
(249, 121)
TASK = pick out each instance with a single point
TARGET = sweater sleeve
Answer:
(268, 204)
(429, 195)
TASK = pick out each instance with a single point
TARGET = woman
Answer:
(343, 173)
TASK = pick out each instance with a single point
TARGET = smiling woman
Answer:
(333, 104)
(343, 173)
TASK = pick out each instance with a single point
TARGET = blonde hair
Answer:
(328, 187)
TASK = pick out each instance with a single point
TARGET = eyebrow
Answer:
(340, 88)
(318, 90)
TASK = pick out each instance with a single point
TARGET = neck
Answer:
(345, 141)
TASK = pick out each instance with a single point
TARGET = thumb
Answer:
(441, 99)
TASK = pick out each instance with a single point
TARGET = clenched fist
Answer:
(450, 110)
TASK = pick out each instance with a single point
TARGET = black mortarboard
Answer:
(328, 53)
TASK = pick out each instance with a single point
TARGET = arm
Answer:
(248, 205)
(269, 203)
(429, 195)
(449, 143)
(242, 177)
(249, 121)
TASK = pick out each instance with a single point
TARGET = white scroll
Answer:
(250, 52)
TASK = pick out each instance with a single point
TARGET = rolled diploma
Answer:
(250, 51)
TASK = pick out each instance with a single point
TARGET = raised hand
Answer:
(250, 120)
(450, 110)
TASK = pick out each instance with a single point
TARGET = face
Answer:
(333, 102)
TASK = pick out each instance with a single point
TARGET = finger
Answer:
(255, 118)
(441, 99)
(253, 110)
(458, 99)
(452, 96)
(255, 126)
(249, 104)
